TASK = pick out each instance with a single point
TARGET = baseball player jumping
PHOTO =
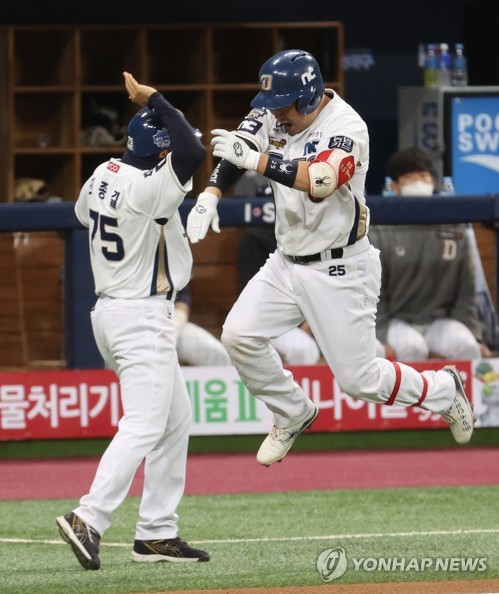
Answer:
(140, 258)
(314, 149)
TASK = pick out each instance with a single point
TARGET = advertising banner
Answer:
(475, 144)
(86, 403)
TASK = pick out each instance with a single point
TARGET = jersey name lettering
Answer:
(103, 189)
(114, 199)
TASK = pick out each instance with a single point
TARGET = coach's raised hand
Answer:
(203, 214)
(137, 92)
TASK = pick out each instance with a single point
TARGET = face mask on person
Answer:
(417, 188)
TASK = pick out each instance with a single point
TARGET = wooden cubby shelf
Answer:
(54, 73)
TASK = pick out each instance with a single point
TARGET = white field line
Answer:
(281, 538)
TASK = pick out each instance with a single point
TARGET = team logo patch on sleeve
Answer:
(341, 142)
(250, 125)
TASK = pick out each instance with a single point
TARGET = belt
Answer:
(334, 253)
(170, 296)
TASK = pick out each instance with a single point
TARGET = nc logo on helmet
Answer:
(266, 82)
(161, 139)
(308, 76)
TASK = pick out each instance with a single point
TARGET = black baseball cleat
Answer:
(173, 550)
(84, 540)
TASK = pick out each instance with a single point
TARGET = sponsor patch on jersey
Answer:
(278, 143)
(249, 125)
(114, 167)
(341, 142)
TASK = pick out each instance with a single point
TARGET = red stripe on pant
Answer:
(396, 387)
(423, 393)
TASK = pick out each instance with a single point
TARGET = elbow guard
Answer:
(329, 171)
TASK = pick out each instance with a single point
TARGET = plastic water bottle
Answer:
(444, 66)
(387, 187)
(459, 76)
(430, 69)
(447, 187)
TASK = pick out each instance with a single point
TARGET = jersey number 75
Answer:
(114, 250)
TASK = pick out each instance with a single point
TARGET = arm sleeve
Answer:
(187, 151)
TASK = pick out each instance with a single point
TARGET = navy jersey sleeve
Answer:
(187, 151)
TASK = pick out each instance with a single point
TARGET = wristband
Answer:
(283, 172)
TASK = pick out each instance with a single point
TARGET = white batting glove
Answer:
(230, 147)
(202, 215)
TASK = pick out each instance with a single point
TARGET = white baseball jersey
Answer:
(302, 226)
(138, 246)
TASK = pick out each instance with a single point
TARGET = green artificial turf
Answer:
(258, 540)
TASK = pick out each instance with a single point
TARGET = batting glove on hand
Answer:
(202, 215)
(230, 147)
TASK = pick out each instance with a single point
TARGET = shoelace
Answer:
(84, 532)
(282, 435)
(173, 545)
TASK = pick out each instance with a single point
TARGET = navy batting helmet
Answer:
(288, 77)
(146, 134)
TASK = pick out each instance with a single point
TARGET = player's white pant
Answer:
(297, 347)
(338, 299)
(136, 337)
(448, 338)
(197, 346)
